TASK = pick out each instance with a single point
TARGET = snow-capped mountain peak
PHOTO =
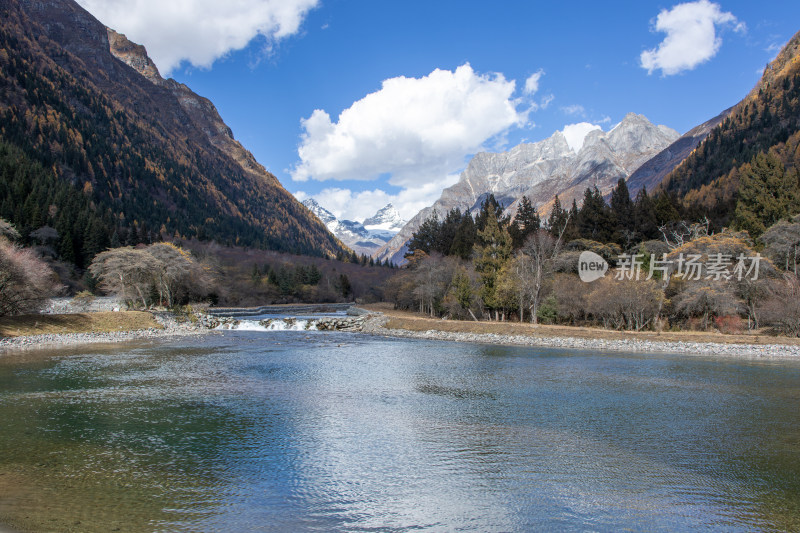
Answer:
(323, 214)
(365, 238)
(386, 219)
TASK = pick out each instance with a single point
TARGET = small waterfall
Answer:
(272, 324)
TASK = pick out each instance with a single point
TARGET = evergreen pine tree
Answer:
(644, 216)
(558, 218)
(622, 208)
(464, 239)
(526, 223)
(666, 209)
(595, 221)
(767, 194)
(426, 237)
(493, 252)
(446, 234)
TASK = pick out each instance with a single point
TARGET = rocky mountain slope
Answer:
(364, 238)
(544, 169)
(90, 108)
(651, 173)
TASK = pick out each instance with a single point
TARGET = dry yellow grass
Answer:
(410, 321)
(103, 322)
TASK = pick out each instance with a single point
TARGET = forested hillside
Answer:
(92, 153)
(765, 124)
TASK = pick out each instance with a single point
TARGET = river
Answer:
(318, 431)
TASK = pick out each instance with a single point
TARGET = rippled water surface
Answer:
(289, 431)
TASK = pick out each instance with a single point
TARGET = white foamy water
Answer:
(275, 324)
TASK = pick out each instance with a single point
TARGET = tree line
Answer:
(526, 268)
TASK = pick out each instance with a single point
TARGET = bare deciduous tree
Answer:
(26, 282)
(783, 244)
(127, 272)
(625, 303)
(132, 273)
(432, 276)
(570, 294)
(677, 234)
(541, 249)
(706, 299)
(173, 270)
(781, 308)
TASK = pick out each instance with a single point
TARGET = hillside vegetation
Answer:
(766, 122)
(96, 152)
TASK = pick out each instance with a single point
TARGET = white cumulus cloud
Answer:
(413, 129)
(576, 133)
(691, 39)
(199, 31)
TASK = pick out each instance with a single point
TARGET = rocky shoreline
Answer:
(171, 328)
(375, 326)
(373, 323)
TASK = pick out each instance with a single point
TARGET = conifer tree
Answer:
(494, 250)
(464, 239)
(767, 194)
(426, 237)
(595, 221)
(558, 218)
(644, 216)
(622, 208)
(526, 223)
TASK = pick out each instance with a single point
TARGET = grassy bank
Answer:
(102, 322)
(409, 321)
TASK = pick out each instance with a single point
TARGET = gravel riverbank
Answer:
(374, 323)
(375, 326)
(171, 328)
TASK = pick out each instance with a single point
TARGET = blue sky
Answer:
(361, 102)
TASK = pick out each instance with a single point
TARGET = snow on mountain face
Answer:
(544, 169)
(386, 219)
(323, 214)
(364, 238)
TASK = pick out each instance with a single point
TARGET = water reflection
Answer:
(338, 432)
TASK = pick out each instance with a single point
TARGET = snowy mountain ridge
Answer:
(364, 238)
